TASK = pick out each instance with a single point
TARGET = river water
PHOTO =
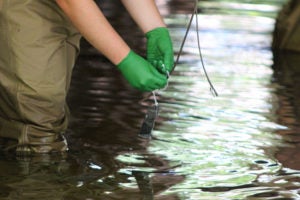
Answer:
(243, 144)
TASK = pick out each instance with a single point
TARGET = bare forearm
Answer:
(92, 24)
(145, 14)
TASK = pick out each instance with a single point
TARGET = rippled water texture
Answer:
(239, 145)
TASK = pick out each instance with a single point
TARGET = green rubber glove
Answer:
(140, 73)
(160, 49)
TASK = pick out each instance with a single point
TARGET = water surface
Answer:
(239, 145)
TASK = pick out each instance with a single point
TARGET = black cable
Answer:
(195, 12)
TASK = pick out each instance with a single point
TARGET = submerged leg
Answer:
(40, 47)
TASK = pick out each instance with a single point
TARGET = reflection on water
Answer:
(287, 74)
(236, 146)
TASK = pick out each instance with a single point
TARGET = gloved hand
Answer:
(160, 49)
(140, 73)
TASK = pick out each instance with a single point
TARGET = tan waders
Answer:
(38, 47)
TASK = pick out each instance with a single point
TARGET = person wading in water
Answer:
(39, 42)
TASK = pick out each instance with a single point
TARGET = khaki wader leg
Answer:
(38, 48)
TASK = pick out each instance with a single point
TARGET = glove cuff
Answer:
(157, 31)
(125, 60)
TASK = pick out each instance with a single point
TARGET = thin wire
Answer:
(155, 99)
(212, 89)
(195, 12)
(183, 41)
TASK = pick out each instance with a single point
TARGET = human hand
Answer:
(140, 73)
(160, 49)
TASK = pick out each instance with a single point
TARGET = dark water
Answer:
(243, 144)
